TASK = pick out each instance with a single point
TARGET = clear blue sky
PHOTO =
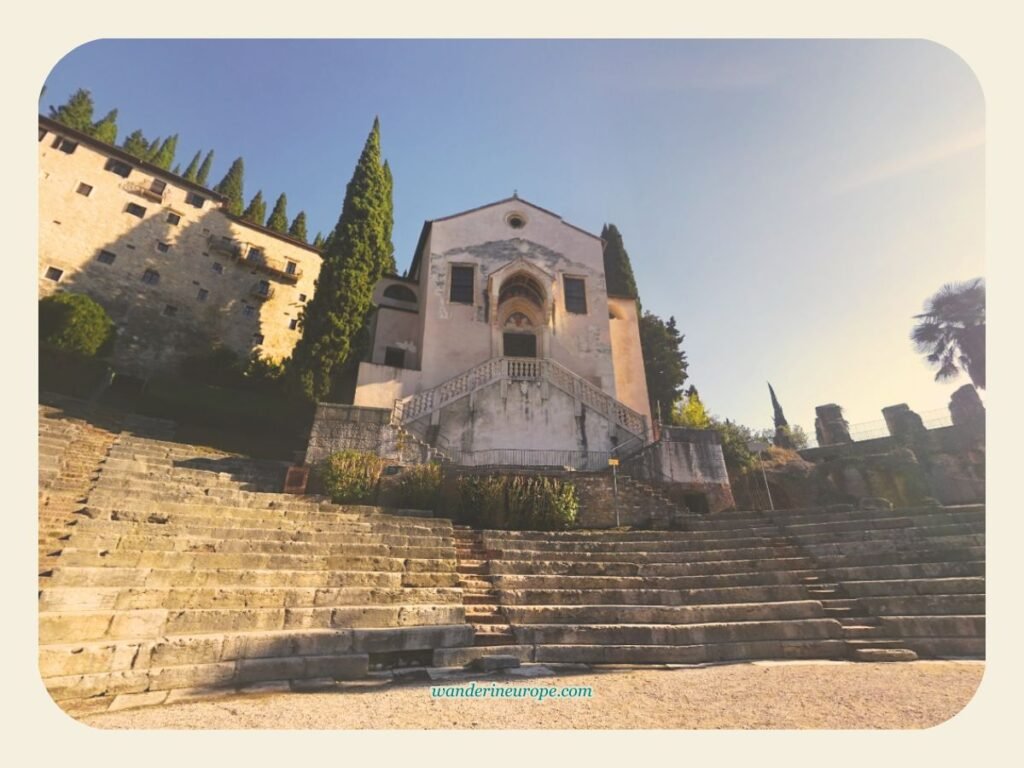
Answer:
(791, 203)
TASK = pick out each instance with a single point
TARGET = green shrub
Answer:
(351, 477)
(517, 502)
(75, 323)
(217, 366)
(417, 486)
(69, 373)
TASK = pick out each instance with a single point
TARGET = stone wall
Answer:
(202, 293)
(338, 427)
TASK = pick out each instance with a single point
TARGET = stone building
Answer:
(173, 268)
(502, 347)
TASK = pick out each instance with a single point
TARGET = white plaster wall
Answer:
(627, 357)
(380, 385)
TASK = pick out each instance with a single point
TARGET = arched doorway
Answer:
(521, 303)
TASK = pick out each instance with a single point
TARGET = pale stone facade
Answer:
(171, 266)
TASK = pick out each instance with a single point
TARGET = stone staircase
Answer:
(906, 581)
(185, 574)
(482, 610)
(639, 504)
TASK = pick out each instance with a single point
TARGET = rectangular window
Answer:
(84, 189)
(218, 267)
(135, 210)
(257, 338)
(119, 167)
(174, 218)
(67, 146)
(106, 257)
(202, 295)
(248, 310)
(293, 324)
(151, 277)
(461, 290)
(263, 288)
(196, 201)
(394, 357)
(170, 310)
(290, 267)
(157, 186)
(302, 298)
(52, 273)
(163, 247)
(255, 255)
(576, 295)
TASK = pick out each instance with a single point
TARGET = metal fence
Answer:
(870, 430)
(578, 461)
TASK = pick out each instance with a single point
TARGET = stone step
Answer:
(909, 571)
(688, 556)
(718, 580)
(653, 597)
(63, 628)
(921, 586)
(929, 605)
(697, 653)
(700, 568)
(617, 616)
(938, 626)
(600, 549)
(209, 560)
(876, 655)
(905, 537)
(59, 599)
(460, 657)
(943, 556)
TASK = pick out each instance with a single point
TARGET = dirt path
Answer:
(758, 695)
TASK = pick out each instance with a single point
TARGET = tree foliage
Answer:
(76, 112)
(164, 156)
(278, 220)
(231, 187)
(690, 411)
(193, 167)
(618, 271)
(136, 144)
(105, 130)
(298, 227)
(75, 323)
(665, 362)
(318, 241)
(359, 254)
(951, 331)
(203, 175)
(256, 211)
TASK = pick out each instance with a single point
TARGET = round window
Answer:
(516, 220)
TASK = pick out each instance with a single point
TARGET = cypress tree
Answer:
(177, 169)
(106, 129)
(388, 266)
(359, 249)
(165, 155)
(193, 167)
(618, 272)
(257, 210)
(231, 186)
(298, 227)
(152, 149)
(136, 144)
(76, 113)
(318, 241)
(204, 170)
(278, 220)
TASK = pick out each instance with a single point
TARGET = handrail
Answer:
(519, 369)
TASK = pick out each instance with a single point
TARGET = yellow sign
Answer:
(613, 462)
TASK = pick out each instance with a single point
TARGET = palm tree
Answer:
(951, 331)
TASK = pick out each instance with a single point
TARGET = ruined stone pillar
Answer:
(904, 424)
(966, 408)
(830, 426)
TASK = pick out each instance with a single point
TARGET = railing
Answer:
(519, 369)
(143, 191)
(577, 461)
(251, 256)
(870, 430)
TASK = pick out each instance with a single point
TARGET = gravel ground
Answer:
(753, 695)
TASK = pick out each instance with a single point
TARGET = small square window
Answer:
(461, 289)
(66, 146)
(157, 186)
(202, 295)
(170, 310)
(290, 267)
(151, 277)
(106, 257)
(52, 273)
(135, 210)
(163, 247)
(302, 298)
(394, 357)
(173, 218)
(257, 338)
(218, 267)
(255, 255)
(248, 310)
(84, 189)
(119, 167)
(263, 288)
(293, 324)
(196, 201)
(575, 295)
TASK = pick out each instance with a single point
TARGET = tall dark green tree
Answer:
(136, 144)
(256, 212)
(193, 167)
(389, 266)
(203, 174)
(177, 169)
(165, 155)
(618, 271)
(298, 227)
(318, 241)
(153, 149)
(76, 112)
(664, 363)
(105, 130)
(278, 220)
(231, 186)
(359, 251)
